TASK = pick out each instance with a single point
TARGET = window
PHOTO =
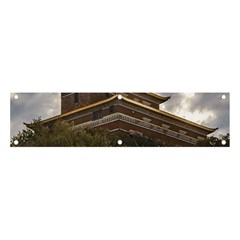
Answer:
(76, 98)
(97, 114)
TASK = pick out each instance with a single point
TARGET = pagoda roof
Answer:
(210, 130)
(171, 115)
(158, 96)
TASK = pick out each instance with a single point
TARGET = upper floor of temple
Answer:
(72, 101)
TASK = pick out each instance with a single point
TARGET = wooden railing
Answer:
(138, 122)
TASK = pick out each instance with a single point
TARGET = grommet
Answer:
(223, 96)
(120, 142)
(120, 96)
(15, 96)
(15, 142)
(224, 142)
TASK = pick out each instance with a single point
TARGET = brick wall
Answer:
(71, 101)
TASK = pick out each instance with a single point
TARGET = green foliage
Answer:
(213, 141)
(136, 140)
(93, 138)
(61, 134)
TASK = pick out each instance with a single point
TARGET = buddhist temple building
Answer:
(135, 113)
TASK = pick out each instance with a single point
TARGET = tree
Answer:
(136, 140)
(212, 141)
(60, 134)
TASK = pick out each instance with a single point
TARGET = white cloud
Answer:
(196, 116)
(208, 109)
(32, 105)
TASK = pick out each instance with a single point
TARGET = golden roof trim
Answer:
(171, 115)
(158, 96)
(131, 101)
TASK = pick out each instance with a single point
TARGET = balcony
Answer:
(137, 122)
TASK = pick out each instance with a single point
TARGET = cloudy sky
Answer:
(32, 105)
(210, 109)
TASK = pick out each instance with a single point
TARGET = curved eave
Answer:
(74, 111)
(158, 96)
(29, 125)
(210, 130)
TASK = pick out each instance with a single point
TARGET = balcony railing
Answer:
(125, 118)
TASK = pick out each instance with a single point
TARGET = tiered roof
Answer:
(114, 97)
